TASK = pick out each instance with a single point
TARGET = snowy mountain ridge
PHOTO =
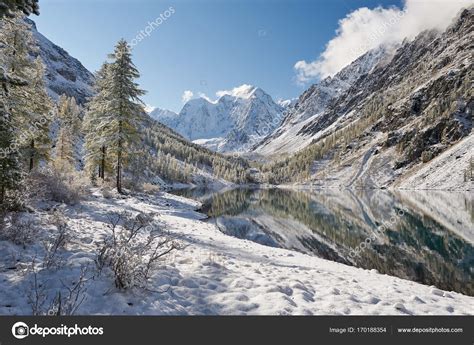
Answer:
(314, 101)
(162, 114)
(244, 115)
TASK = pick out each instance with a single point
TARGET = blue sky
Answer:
(205, 45)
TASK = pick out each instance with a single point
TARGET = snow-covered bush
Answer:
(133, 185)
(133, 248)
(56, 242)
(17, 228)
(106, 192)
(65, 301)
(150, 188)
(59, 184)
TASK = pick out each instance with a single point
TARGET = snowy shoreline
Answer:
(217, 274)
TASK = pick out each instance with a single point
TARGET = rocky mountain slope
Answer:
(312, 104)
(394, 120)
(235, 122)
(64, 73)
(162, 114)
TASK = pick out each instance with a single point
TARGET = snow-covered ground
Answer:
(214, 274)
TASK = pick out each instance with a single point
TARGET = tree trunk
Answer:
(32, 155)
(2, 195)
(119, 166)
(119, 161)
(102, 166)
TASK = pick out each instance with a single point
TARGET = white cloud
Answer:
(365, 29)
(187, 96)
(241, 91)
(203, 95)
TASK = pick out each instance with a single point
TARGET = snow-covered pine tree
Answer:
(123, 107)
(10, 171)
(38, 118)
(69, 113)
(28, 103)
(93, 126)
(9, 7)
(16, 41)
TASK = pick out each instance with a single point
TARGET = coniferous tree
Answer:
(69, 113)
(126, 108)
(9, 7)
(96, 147)
(121, 108)
(38, 117)
(16, 43)
(10, 171)
(27, 102)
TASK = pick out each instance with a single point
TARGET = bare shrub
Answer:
(18, 229)
(66, 301)
(107, 192)
(133, 248)
(60, 185)
(69, 302)
(57, 242)
(133, 185)
(37, 295)
(150, 188)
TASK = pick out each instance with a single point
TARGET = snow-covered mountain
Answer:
(162, 115)
(406, 121)
(314, 102)
(64, 74)
(287, 103)
(237, 121)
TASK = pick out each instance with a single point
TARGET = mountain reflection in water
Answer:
(428, 235)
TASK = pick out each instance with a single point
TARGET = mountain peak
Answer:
(160, 114)
(244, 91)
(230, 122)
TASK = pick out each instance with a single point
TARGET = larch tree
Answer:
(16, 43)
(38, 120)
(122, 109)
(28, 103)
(9, 7)
(10, 165)
(93, 127)
(69, 113)
(10, 171)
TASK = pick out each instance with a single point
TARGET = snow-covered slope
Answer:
(64, 74)
(314, 102)
(235, 122)
(162, 115)
(214, 274)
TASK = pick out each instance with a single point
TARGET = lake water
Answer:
(423, 236)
